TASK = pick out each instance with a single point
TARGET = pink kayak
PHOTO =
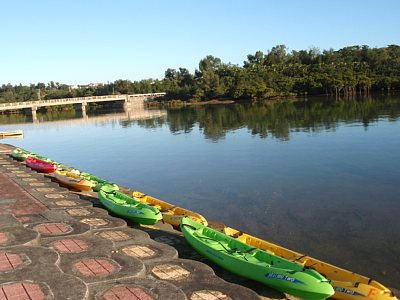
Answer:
(40, 165)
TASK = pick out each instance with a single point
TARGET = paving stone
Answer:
(35, 178)
(86, 212)
(149, 251)
(96, 267)
(115, 235)
(34, 218)
(65, 203)
(170, 272)
(209, 295)
(18, 235)
(40, 268)
(23, 204)
(54, 196)
(90, 268)
(30, 179)
(53, 228)
(178, 270)
(123, 236)
(141, 252)
(217, 289)
(37, 184)
(54, 215)
(3, 238)
(17, 171)
(70, 246)
(46, 190)
(10, 261)
(24, 219)
(78, 212)
(32, 256)
(192, 277)
(103, 222)
(201, 278)
(23, 175)
(22, 291)
(7, 221)
(127, 292)
(79, 263)
(67, 228)
(95, 222)
(142, 288)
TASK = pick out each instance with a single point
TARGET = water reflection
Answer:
(278, 119)
(99, 116)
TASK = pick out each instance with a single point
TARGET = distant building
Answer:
(78, 86)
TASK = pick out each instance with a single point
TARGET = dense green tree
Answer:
(274, 73)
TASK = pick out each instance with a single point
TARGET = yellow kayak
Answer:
(347, 285)
(171, 214)
(70, 178)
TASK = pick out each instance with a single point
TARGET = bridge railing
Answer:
(61, 100)
(27, 104)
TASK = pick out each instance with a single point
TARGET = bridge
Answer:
(80, 103)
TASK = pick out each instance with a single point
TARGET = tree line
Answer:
(276, 73)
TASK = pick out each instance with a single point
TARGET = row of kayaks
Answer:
(137, 207)
(283, 269)
(240, 253)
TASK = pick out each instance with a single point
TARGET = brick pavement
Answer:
(54, 244)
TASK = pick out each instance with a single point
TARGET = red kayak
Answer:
(40, 165)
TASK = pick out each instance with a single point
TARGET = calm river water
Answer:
(319, 176)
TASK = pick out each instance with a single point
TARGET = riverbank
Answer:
(181, 103)
(60, 244)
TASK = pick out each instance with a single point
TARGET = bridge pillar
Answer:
(80, 109)
(134, 102)
(31, 113)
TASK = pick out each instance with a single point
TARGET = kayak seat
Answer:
(119, 201)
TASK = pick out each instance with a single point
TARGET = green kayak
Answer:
(244, 260)
(127, 207)
(99, 181)
(19, 154)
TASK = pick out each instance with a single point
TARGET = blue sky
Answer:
(98, 41)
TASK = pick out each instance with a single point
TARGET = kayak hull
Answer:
(346, 284)
(19, 154)
(99, 182)
(40, 165)
(128, 208)
(73, 180)
(171, 214)
(255, 264)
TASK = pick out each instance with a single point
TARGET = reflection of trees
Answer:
(55, 115)
(13, 118)
(146, 123)
(278, 119)
(275, 119)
